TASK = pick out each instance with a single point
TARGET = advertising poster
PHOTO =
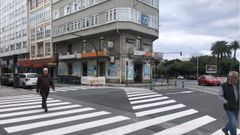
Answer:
(77, 69)
(130, 71)
(92, 70)
(113, 70)
(62, 69)
(146, 71)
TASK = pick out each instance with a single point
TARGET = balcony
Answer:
(65, 56)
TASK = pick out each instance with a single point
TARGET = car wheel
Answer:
(218, 84)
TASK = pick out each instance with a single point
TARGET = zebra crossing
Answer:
(148, 103)
(22, 115)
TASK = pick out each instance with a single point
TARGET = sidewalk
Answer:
(10, 91)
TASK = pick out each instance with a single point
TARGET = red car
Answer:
(209, 80)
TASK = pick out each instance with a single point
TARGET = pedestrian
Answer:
(44, 83)
(229, 96)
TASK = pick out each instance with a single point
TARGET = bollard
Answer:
(182, 84)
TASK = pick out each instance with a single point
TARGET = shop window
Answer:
(70, 69)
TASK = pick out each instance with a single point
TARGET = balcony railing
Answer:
(67, 55)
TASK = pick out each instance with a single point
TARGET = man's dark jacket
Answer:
(228, 93)
(44, 83)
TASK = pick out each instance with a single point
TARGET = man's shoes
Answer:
(46, 110)
(224, 130)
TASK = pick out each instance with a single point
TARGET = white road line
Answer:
(159, 110)
(38, 111)
(20, 101)
(141, 94)
(148, 100)
(20, 98)
(219, 132)
(153, 104)
(137, 92)
(13, 97)
(187, 127)
(24, 104)
(147, 123)
(28, 107)
(84, 126)
(143, 97)
(53, 122)
(45, 115)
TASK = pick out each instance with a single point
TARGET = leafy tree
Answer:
(220, 49)
(234, 47)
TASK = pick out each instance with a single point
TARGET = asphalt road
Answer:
(83, 110)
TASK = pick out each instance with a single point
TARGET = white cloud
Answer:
(192, 26)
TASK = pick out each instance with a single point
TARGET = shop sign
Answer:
(139, 53)
(144, 20)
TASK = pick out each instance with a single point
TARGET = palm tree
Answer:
(220, 49)
(234, 47)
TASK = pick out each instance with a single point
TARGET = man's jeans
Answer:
(232, 124)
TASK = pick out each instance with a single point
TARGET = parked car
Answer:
(180, 77)
(209, 80)
(27, 80)
(7, 79)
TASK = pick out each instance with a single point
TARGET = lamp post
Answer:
(95, 49)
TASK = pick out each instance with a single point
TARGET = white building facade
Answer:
(13, 34)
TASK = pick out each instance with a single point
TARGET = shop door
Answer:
(137, 73)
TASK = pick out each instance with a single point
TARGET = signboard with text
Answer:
(211, 69)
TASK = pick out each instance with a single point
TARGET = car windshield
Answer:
(32, 76)
(210, 77)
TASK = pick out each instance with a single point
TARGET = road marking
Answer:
(148, 100)
(45, 115)
(84, 126)
(20, 98)
(20, 101)
(38, 111)
(187, 127)
(143, 97)
(153, 104)
(138, 92)
(31, 103)
(53, 122)
(147, 123)
(141, 94)
(29, 107)
(159, 110)
(14, 97)
(182, 92)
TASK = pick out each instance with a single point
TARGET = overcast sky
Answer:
(191, 26)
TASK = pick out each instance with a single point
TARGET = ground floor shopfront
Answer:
(37, 65)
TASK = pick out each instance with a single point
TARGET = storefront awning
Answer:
(38, 63)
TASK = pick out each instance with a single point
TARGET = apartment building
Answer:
(110, 38)
(13, 34)
(41, 51)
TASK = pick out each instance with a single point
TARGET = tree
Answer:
(220, 49)
(234, 47)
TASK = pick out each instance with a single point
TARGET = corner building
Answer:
(110, 38)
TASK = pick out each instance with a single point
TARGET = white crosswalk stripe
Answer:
(186, 127)
(219, 132)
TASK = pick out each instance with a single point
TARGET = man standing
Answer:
(43, 86)
(229, 95)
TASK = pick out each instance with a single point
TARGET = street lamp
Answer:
(95, 48)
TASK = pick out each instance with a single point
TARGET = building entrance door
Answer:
(137, 73)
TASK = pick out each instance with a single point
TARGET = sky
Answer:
(191, 26)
